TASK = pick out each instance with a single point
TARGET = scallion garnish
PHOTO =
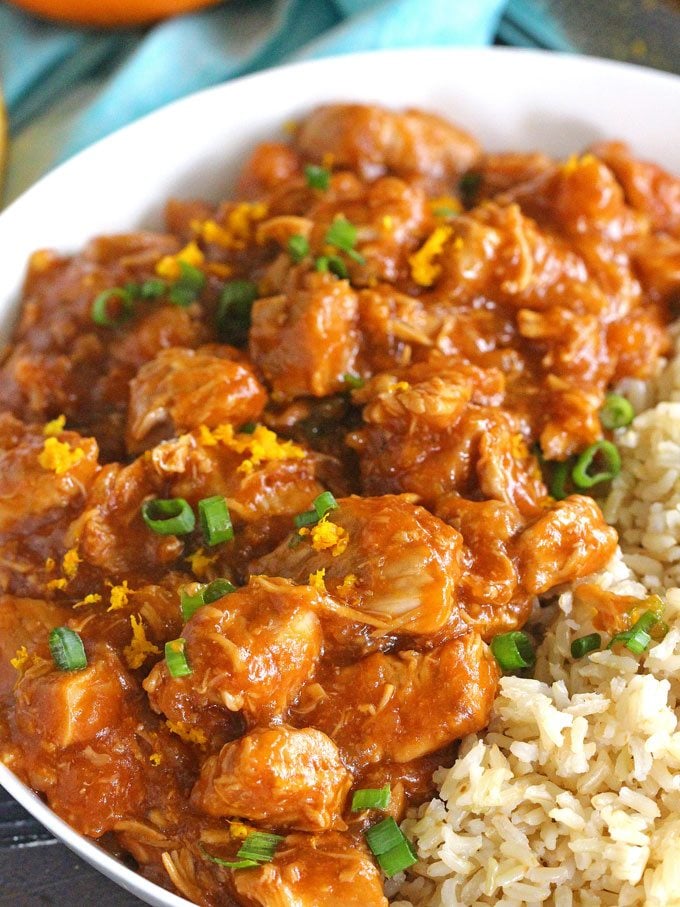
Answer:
(468, 186)
(176, 659)
(616, 412)
(248, 428)
(233, 312)
(605, 450)
(445, 211)
(298, 247)
(343, 235)
(259, 846)
(371, 798)
(189, 285)
(170, 516)
(639, 636)
(558, 480)
(513, 651)
(317, 177)
(354, 382)
(124, 303)
(215, 520)
(390, 845)
(332, 263)
(67, 649)
(585, 644)
(152, 288)
(190, 602)
(323, 504)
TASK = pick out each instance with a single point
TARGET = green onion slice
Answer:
(639, 636)
(215, 520)
(580, 475)
(445, 211)
(228, 864)
(616, 412)
(67, 649)
(248, 428)
(187, 289)
(343, 235)
(176, 659)
(259, 846)
(585, 644)
(100, 307)
(233, 311)
(558, 480)
(190, 602)
(354, 382)
(513, 650)
(390, 845)
(317, 177)
(169, 516)
(371, 798)
(468, 187)
(298, 247)
(332, 263)
(153, 288)
(323, 504)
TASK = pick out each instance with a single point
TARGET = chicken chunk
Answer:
(250, 653)
(281, 777)
(305, 340)
(387, 558)
(181, 389)
(375, 709)
(373, 141)
(570, 541)
(327, 870)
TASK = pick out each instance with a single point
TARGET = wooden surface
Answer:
(36, 871)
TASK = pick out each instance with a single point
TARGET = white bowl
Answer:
(510, 99)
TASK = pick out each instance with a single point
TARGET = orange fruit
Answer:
(110, 13)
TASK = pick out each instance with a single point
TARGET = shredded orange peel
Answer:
(262, 446)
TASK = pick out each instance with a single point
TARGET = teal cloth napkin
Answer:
(66, 87)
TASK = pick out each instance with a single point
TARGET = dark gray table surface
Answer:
(36, 871)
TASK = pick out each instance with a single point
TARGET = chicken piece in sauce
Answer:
(279, 776)
(250, 653)
(424, 314)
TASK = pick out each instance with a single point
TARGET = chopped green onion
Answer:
(513, 650)
(190, 602)
(355, 382)
(187, 289)
(468, 187)
(317, 177)
(605, 449)
(585, 644)
(228, 864)
(153, 288)
(334, 264)
(391, 847)
(445, 211)
(558, 481)
(248, 428)
(171, 516)
(176, 659)
(343, 235)
(215, 520)
(233, 312)
(67, 649)
(371, 798)
(616, 412)
(100, 308)
(639, 636)
(298, 247)
(324, 503)
(259, 846)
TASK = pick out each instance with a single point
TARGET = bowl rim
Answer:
(84, 847)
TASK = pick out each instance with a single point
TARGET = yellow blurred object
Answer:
(110, 13)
